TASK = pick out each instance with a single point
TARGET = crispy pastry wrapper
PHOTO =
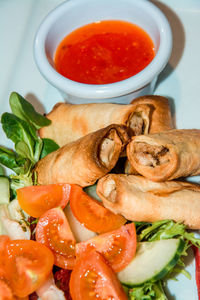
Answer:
(84, 161)
(159, 119)
(70, 122)
(166, 155)
(142, 200)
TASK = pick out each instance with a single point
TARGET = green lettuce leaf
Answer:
(165, 229)
(25, 111)
(21, 127)
(13, 161)
(19, 131)
(148, 291)
(48, 147)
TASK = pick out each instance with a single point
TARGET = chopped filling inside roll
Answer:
(150, 155)
(109, 190)
(111, 145)
(139, 122)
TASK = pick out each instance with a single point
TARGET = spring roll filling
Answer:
(109, 190)
(150, 155)
(110, 146)
(138, 123)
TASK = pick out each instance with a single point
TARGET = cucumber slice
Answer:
(4, 190)
(153, 260)
(4, 213)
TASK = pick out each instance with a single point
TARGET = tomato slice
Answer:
(32, 263)
(5, 291)
(6, 267)
(36, 200)
(92, 278)
(118, 247)
(53, 231)
(4, 240)
(92, 213)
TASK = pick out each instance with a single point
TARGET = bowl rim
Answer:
(110, 90)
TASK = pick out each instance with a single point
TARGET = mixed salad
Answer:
(59, 242)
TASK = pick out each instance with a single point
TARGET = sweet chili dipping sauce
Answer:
(104, 52)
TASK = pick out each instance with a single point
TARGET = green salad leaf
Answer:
(21, 180)
(21, 127)
(148, 291)
(48, 147)
(38, 149)
(165, 229)
(19, 132)
(25, 111)
(13, 161)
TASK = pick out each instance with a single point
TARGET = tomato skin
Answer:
(21, 271)
(91, 213)
(36, 200)
(6, 267)
(53, 231)
(93, 278)
(5, 291)
(29, 273)
(118, 247)
(4, 240)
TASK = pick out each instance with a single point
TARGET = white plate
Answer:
(180, 81)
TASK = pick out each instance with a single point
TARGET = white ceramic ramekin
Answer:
(76, 13)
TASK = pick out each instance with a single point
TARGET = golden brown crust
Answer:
(71, 122)
(142, 200)
(166, 155)
(160, 114)
(83, 161)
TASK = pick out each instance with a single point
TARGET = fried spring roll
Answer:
(84, 161)
(160, 117)
(166, 155)
(70, 122)
(142, 200)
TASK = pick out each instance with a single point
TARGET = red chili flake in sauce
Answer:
(104, 52)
